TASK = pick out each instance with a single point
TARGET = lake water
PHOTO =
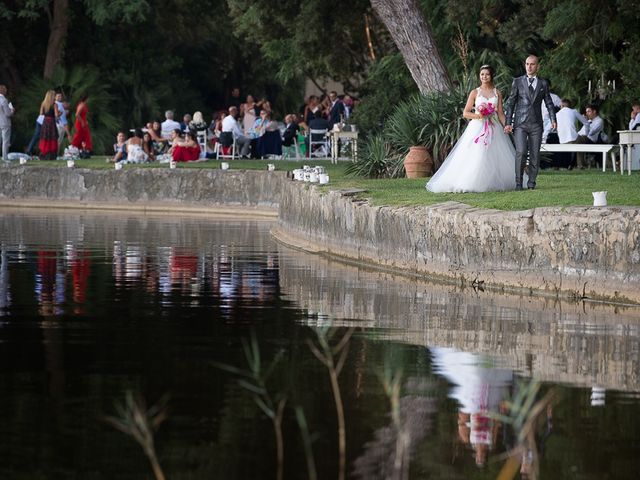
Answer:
(95, 305)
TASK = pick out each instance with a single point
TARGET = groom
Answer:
(524, 118)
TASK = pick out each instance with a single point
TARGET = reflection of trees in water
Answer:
(417, 409)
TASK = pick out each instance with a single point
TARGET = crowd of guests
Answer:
(249, 124)
(574, 127)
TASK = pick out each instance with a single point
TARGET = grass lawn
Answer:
(555, 187)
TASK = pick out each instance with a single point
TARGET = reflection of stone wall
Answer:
(573, 342)
(567, 250)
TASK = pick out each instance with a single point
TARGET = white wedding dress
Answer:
(472, 166)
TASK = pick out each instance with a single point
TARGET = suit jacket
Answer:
(334, 114)
(521, 108)
(5, 112)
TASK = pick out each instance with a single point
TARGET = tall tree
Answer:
(412, 34)
(58, 27)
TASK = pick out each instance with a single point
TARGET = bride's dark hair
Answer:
(490, 69)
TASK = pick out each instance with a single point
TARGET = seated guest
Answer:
(634, 123)
(119, 148)
(230, 124)
(269, 141)
(215, 128)
(198, 123)
(591, 133)
(147, 146)
(185, 149)
(566, 119)
(160, 145)
(135, 152)
(291, 129)
(186, 120)
(169, 125)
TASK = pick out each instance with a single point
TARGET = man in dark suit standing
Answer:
(524, 118)
(337, 109)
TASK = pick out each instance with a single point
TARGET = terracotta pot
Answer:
(418, 163)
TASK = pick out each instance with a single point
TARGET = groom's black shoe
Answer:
(518, 187)
(531, 188)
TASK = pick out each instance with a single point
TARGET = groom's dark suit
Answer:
(523, 111)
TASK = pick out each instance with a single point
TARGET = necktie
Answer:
(531, 86)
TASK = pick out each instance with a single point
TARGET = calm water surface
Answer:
(93, 306)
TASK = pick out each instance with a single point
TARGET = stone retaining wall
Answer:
(577, 251)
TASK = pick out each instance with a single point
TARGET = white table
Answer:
(335, 139)
(584, 147)
(627, 139)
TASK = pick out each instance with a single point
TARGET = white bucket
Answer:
(118, 166)
(224, 165)
(71, 163)
(313, 177)
(298, 174)
(599, 199)
(271, 167)
(307, 176)
(173, 164)
(23, 160)
(323, 178)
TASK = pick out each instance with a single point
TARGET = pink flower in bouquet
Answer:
(486, 109)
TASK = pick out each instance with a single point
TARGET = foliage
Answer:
(380, 160)
(73, 83)
(387, 83)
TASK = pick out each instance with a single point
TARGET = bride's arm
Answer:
(501, 115)
(468, 113)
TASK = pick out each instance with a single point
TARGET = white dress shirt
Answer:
(593, 130)
(634, 122)
(167, 127)
(230, 124)
(535, 82)
(566, 119)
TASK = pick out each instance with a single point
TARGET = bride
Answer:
(483, 159)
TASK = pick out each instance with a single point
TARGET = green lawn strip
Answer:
(555, 187)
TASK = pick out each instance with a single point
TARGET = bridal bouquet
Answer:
(486, 110)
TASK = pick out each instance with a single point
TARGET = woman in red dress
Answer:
(48, 144)
(82, 138)
(186, 150)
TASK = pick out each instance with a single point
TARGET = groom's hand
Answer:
(508, 129)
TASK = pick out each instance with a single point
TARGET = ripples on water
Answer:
(94, 305)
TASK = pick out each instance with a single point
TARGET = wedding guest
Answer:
(567, 133)
(336, 109)
(135, 152)
(160, 145)
(119, 148)
(6, 112)
(591, 133)
(546, 120)
(312, 110)
(82, 138)
(249, 112)
(234, 99)
(634, 123)
(347, 101)
(48, 144)
(197, 123)
(62, 123)
(185, 149)
(147, 146)
(36, 135)
(168, 126)
(230, 124)
(291, 130)
(186, 120)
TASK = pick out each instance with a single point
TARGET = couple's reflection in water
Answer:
(483, 393)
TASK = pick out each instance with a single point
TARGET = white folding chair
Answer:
(226, 140)
(319, 138)
(201, 137)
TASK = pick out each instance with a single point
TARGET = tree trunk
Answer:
(412, 34)
(58, 30)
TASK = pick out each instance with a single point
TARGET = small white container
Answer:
(118, 166)
(323, 178)
(298, 174)
(71, 163)
(271, 167)
(23, 160)
(313, 177)
(599, 199)
(173, 164)
(307, 176)
(224, 165)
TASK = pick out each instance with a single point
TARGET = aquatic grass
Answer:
(254, 380)
(333, 357)
(133, 418)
